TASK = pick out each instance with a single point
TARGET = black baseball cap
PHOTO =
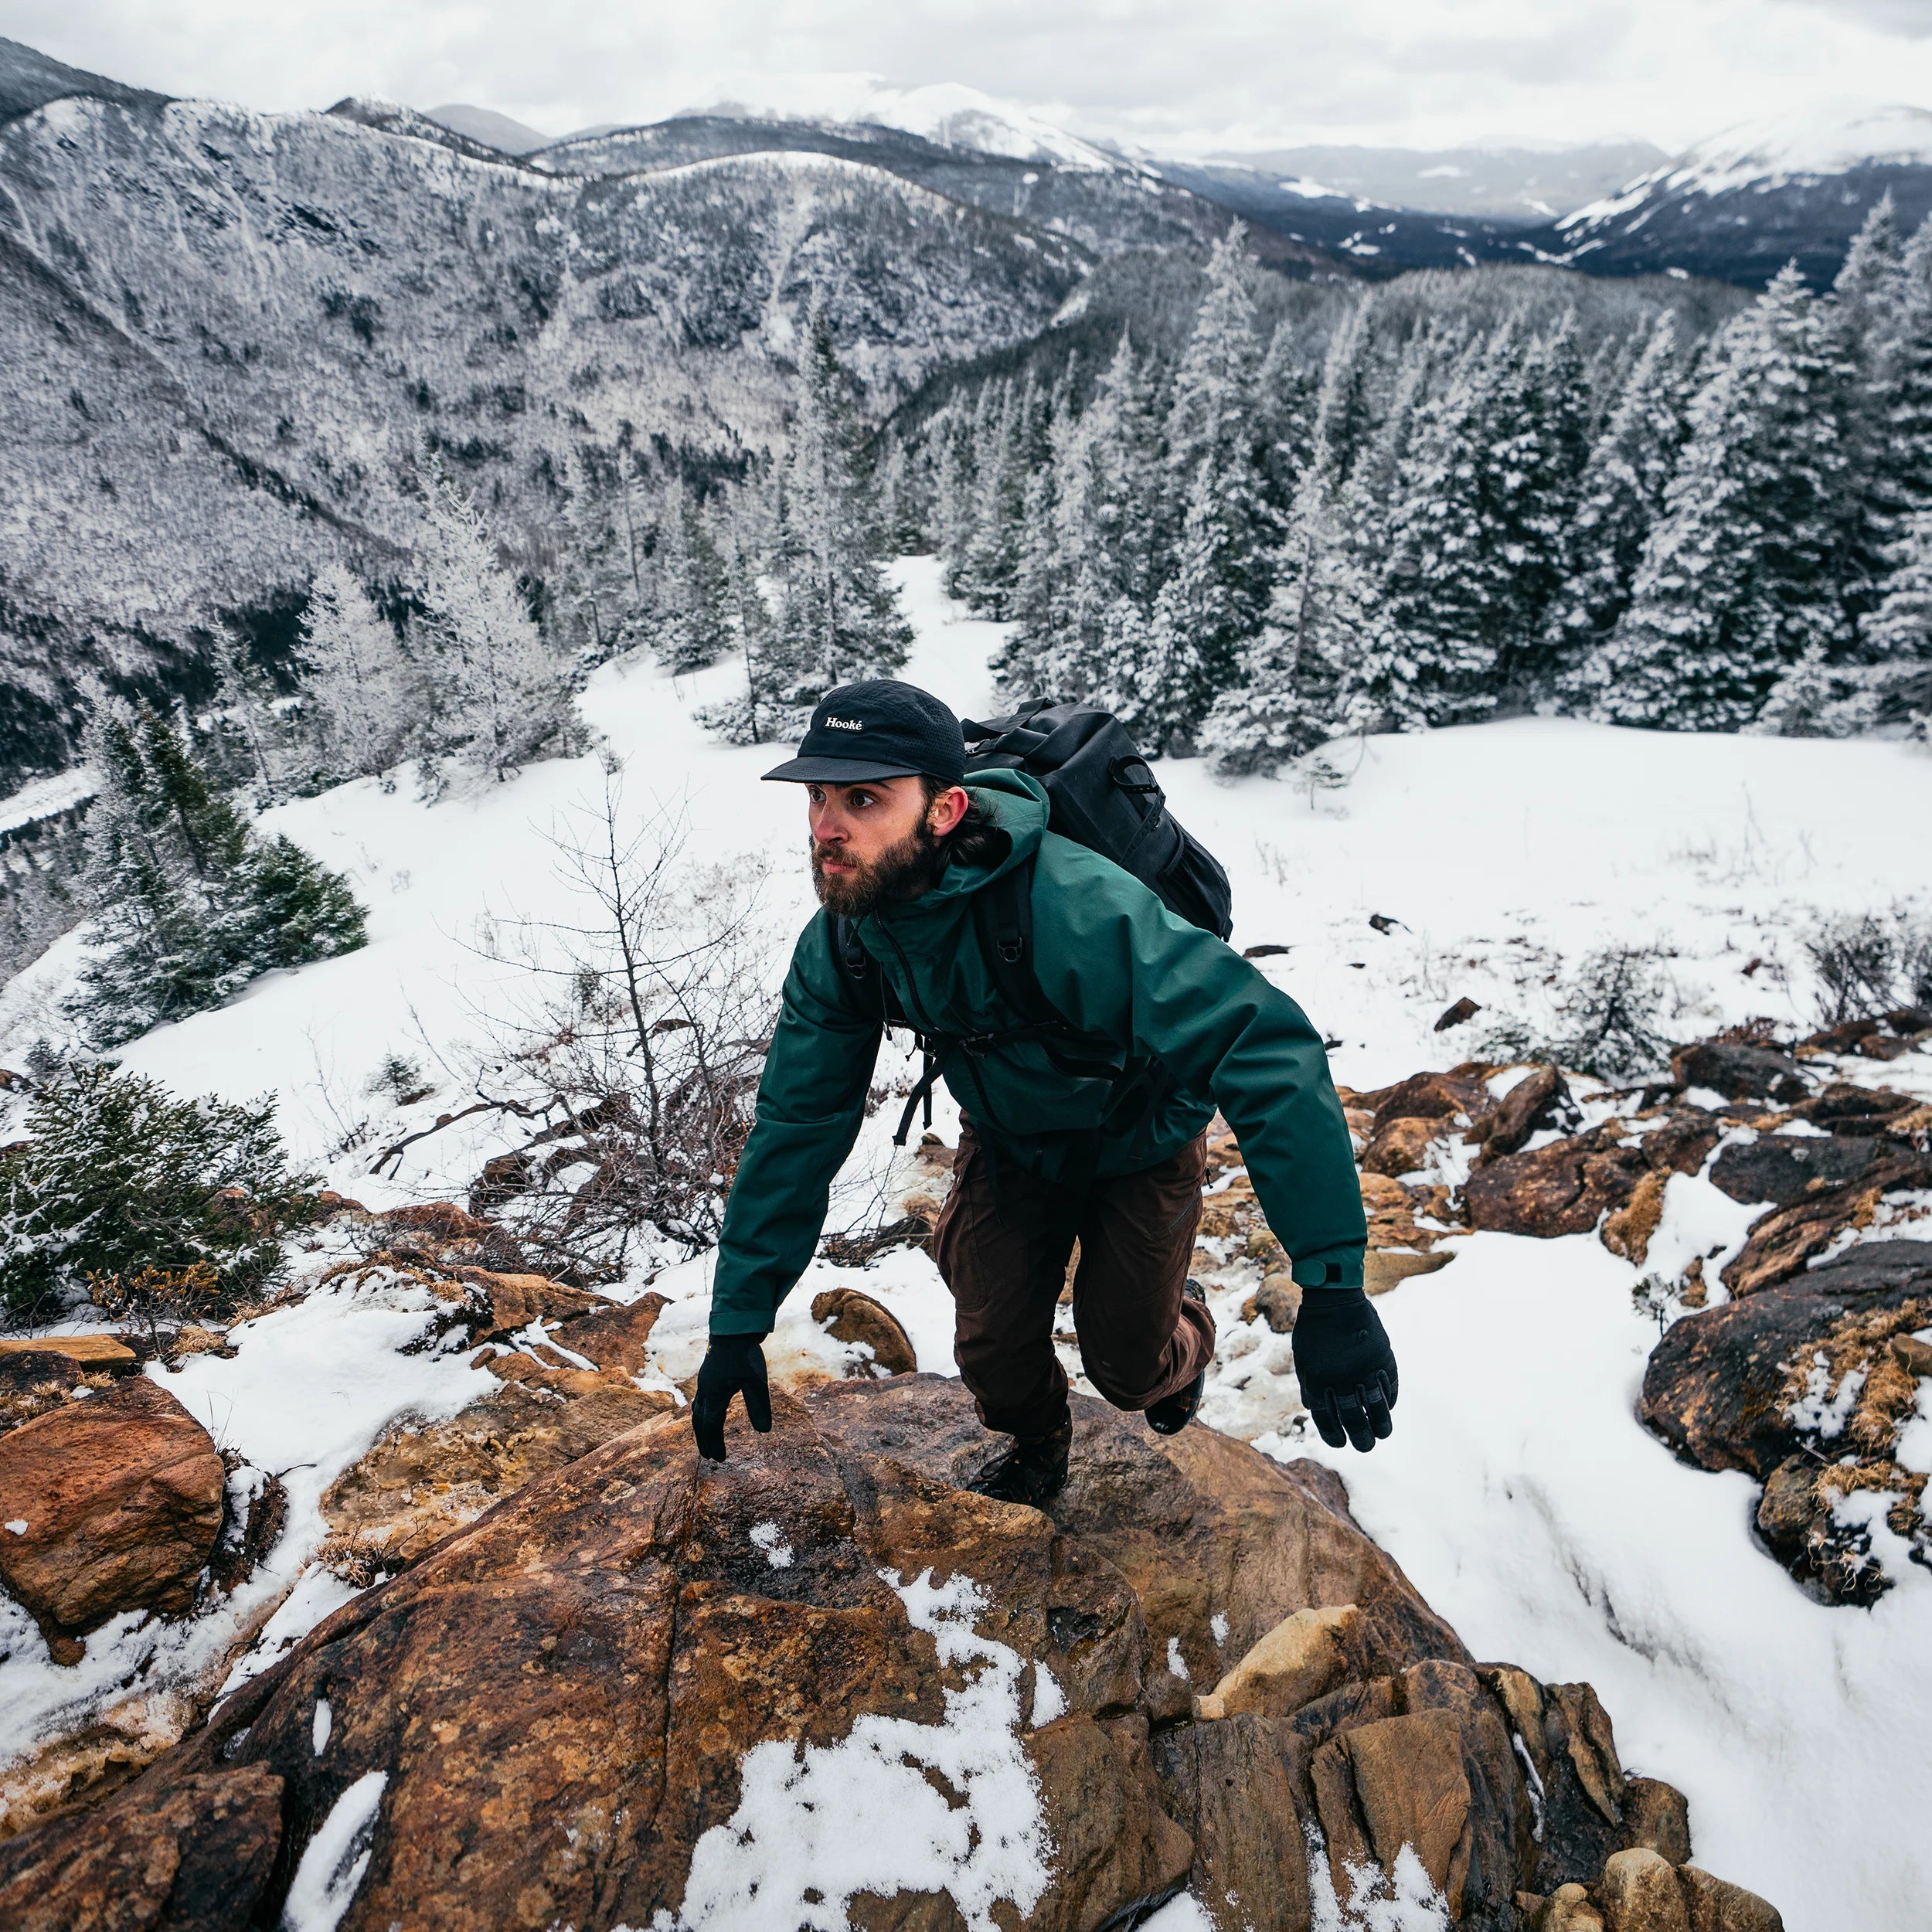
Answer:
(877, 728)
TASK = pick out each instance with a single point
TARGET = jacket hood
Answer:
(1018, 806)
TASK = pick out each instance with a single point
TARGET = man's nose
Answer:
(828, 827)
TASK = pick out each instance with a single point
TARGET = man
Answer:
(899, 845)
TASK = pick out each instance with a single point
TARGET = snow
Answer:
(817, 1824)
(1825, 137)
(335, 1859)
(769, 1540)
(945, 111)
(1518, 1490)
(1406, 1902)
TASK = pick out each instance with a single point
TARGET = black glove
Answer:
(1345, 1367)
(733, 1365)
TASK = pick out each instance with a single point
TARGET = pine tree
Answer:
(1215, 597)
(498, 698)
(1739, 580)
(695, 628)
(1291, 692)
(1867, 308)
(357, 679)
(188, 906)
(248, 706)
(839, 616)
(1620, 499)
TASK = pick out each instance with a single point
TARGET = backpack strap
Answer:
(861, 974)
(1003, 917)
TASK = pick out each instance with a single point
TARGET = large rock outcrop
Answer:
(824, 1680)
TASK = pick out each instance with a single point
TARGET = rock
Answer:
(1718, 1382)
(1844, 1108)
(1566, 1188)
(1782, 1242)
(1464, 1010)
(1539, 1099)
(1267, 950)
(1913, 1356)
(1570, 1911)
(1402, 1777)
(122, 1495)
(850, 1317)
(1427, 1096)
(1740, 1072)
(1303, 1657)
(1227, 1784)
(1783, 1168)
(571, 1696)
(616, 1338)
(1387, 1268)
(1658, 1815)
(515, 1301)
(1277, 1302)
(440, 1220)
(1716, 1906)
(25, 1370)
(418, 1484)
(1639, 1892)
(1403, 1145)
(1681, 1143)
(1790, 1502)
(1627, 1230)
(1883, 1046)
(196, 1861)
(89, 1352)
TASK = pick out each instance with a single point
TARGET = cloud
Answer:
(1185, 76)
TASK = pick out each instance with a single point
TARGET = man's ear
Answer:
(945, 812)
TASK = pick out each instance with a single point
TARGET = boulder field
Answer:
(824, 1683)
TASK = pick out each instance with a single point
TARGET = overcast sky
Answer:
(1181, 75)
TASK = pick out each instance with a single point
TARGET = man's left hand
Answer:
(1345, 1367)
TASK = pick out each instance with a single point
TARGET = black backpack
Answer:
(1102, 794)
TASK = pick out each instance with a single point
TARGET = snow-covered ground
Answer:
(1518, 1490)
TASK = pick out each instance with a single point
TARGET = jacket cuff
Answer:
(729, 1322)
(1335, 1268)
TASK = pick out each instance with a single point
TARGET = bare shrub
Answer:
(639, 1045)
(1869, 964)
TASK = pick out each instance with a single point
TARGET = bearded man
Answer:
(901, 842)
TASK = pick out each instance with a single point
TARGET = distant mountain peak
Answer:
(946, 112)
(503, 132)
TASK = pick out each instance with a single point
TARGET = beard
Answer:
(900, 872)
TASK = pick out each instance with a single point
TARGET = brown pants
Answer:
(1004, 1253)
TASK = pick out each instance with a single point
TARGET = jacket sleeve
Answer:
(1114, 959)
(811, 1102)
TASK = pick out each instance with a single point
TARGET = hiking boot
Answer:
(1033, 1471)
(1172, 1413)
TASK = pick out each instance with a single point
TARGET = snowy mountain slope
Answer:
(1519, 1490)
(231, 328)
(945, 112)
(30, 79)
(1510, 183)
(1739, 206)
(502, 132)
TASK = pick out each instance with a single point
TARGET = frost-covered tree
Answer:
(1739, 581)
(358, 695)
(257, 724)
(838, 616)
(1214, 599)
(695, 628)
(188, 904)
(1619, 501)
(498, 698)
(1292, 691)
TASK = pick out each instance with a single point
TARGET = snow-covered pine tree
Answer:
(1619, 500)
(1289, 695)
(1739, 580)
(695, 628)
(838, 616)
(952, 496)
(1214, 599)
(497, 697)
(1016, 448)
(188, 906)
(357, 681)
(250, 715)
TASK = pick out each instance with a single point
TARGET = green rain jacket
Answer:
(1114, 962)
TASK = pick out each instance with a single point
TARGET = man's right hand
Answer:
(733, 1365)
